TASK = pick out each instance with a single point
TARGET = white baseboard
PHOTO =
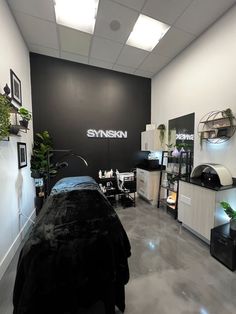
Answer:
(4, 263)
(196, 234)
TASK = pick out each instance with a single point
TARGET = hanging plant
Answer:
(4, 116)
(162, 129)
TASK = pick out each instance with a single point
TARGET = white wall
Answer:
(16, 186)
(201, 79)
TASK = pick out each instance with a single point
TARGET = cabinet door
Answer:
(148, 184)
(185, 211)
(204, 210)
(196, 208)
(142, 182)
(153, 185)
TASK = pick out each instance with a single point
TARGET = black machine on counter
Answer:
(212, 174)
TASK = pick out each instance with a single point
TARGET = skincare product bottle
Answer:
(100, 174)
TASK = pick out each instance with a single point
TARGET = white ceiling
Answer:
(106, 48)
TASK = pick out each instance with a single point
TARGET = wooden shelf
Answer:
(217, 126)
(171, 172)
(13, 109)
(213, 120)
(18, 135)
(164, 202)
(168, 188)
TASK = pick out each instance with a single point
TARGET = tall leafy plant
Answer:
(41, 156)
(4, 116)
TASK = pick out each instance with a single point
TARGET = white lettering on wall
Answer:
(106, 133)
(189, 137)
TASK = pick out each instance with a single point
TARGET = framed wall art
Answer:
(15, 88)
(22, 155)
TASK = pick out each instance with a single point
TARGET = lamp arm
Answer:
(78, 156)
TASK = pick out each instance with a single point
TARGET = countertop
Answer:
(148, 169)
(198, 182)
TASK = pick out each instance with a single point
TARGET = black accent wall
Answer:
(70, 98)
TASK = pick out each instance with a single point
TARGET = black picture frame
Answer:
(22, 155)
(16, 93)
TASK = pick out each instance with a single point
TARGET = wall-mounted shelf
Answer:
(16, 125)
(217, 126)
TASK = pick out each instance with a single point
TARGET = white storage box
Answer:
(150, 127)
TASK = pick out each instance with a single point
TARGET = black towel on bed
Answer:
(75, 256)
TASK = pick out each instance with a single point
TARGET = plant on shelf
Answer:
(231, 214)
(162, 129)
(4, 116)
(25, 115)
(227, 113)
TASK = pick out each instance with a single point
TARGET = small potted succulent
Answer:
(26, 117)
(232, 215)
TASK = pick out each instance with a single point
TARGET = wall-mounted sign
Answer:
(184, 127)
(183, 136)
(106, 134)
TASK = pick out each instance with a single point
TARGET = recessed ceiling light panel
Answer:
(147, 32)
(78, 14)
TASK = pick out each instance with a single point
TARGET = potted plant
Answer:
(227, 113)
(41, 165)
(232, 215)
(4, 116)
(25, 115)
(40, 156)
(14, 129)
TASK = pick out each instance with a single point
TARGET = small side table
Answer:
(223, 246)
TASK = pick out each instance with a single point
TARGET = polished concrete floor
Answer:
(172, 271)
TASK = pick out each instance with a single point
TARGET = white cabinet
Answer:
(199, 208)
(148, 184)
(151, 140)
(155, 140)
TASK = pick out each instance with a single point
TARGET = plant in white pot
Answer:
(232, 215)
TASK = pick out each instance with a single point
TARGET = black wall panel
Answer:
(69, 98)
